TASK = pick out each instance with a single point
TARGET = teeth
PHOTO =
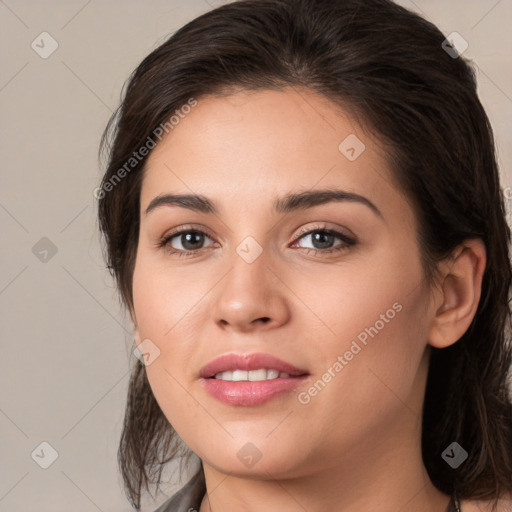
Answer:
(257, 375)
(239, 375)
(252, 375)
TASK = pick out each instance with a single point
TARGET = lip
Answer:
(230, 362)
(247, 393)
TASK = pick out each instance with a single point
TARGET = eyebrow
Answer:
(286, 204)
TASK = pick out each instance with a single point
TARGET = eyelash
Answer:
(347, 241)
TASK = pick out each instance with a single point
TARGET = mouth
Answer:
(249, 367)
(250, 379)
(250, 375)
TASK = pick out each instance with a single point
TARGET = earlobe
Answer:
(136, 335)
(460, 288)
(135, 327)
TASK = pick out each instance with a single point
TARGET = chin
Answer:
(255, 457)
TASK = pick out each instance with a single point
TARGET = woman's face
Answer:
(333, 288)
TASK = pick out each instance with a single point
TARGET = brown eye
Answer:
(323, 240)
(185, 241)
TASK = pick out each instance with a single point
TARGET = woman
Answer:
(303, 213)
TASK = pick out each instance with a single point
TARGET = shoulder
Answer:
(504, 505)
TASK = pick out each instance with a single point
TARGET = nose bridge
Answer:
(249, 291)
(248, 275)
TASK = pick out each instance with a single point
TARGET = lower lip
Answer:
(250, 393)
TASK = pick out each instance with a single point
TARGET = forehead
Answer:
(260, 144)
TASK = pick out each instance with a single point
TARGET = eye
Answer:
(323, 239)
(190, 240)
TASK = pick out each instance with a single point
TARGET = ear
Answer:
(136, 333)
(457, 298)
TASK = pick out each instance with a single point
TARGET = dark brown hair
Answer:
(388, 68)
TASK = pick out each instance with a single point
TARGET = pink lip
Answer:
(249, 393)
(230, 362)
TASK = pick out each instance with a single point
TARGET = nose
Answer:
(251, 296)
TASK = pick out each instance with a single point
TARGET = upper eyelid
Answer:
(186, 229)
(325, 227)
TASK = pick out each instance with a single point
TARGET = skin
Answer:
(356, 444)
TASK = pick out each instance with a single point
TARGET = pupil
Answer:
(319, 237)
(190, 236)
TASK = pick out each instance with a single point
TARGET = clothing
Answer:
(187, 499)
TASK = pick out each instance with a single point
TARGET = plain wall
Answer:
(66, 342)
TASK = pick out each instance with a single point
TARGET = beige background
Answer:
(65, 341)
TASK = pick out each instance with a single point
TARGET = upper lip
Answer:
(230, 362)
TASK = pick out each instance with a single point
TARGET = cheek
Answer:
(370, 298)
(367, 375)
(164, 300)
(374, 319)
(163, 311)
